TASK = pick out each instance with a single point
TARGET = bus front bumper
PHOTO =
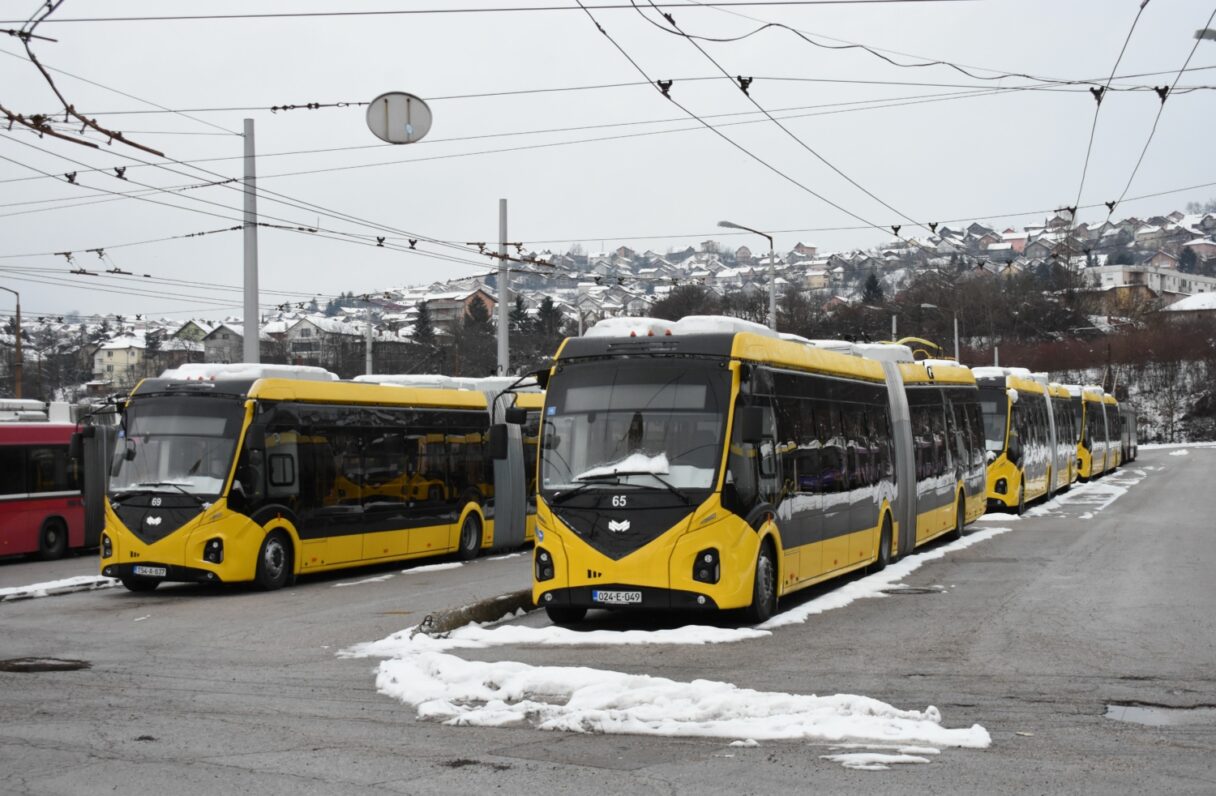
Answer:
(618, 595)
(173, 573)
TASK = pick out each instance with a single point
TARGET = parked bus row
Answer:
(713, 463)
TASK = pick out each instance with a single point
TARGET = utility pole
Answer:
(956, 359)
(252, 349)
(370, 334)
(504, 293)
(18, 357)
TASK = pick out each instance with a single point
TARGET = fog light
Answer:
(544, 564)
(548, 597)
(213, 551)
(1001, 486)
(707, 568)
(108, 572)
(107, 547)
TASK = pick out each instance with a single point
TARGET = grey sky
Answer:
(964, 158)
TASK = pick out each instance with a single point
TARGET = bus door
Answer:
(510, 490)
(836, 505)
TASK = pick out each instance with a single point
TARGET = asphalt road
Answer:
(1035, 632)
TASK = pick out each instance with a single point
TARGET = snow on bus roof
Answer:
(996, 372)
(689, 324)
(439, 381)
(212, 371)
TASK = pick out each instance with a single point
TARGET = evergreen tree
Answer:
(549, 322)
(686, 300)
(872, 293)
(520, 322)
(424, 329)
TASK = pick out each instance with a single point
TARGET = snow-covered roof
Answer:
(1200, 302)
(213, 371)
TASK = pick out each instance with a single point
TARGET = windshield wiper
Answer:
(666, 484)
(585, 484)
(176, 486)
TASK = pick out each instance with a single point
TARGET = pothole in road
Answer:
(915, 590)
(42, 665)
(1161, 715)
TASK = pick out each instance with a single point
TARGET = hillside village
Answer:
(1117, 274)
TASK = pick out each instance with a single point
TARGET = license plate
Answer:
(150, 572)
(616, 597)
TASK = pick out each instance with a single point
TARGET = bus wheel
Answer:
(54, 540)
(960, 519)
(565, 614)
(884, 545)
(470, 538)
(1021, 500)
(274, 562)
(764, 587)
(138, 584)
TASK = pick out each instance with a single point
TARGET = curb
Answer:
(482, 611)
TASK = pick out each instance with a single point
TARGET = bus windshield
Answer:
(994, 405)
(177, 444)
(653, 424)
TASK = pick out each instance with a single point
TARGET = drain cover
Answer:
(914, 590)
(42, 665)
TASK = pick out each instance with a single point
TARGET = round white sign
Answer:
(398, 117)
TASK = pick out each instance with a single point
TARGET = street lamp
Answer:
(955, 316)
(18, 361)
(772, 270)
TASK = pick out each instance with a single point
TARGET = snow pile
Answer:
(873, 761)
(434, 567)
(578, 699)
(64, 586)
(1183, 452)
(376, 579)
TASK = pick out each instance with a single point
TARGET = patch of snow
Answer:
(1089, 515)
(747, 742)
(1183, 452)
(433, 567)
(213, 371)
(376, 579)
(64, 586)
(634, 463)
(872, 761)
(998, 516)
(872, 585)
(141, 618)
(457, 692)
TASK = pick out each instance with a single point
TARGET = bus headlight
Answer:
(107, 547)
(707, 568)
(213, 551)
(1002, 486)
(544, 564)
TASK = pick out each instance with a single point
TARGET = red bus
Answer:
(41, 508)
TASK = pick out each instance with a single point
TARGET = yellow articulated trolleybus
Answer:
(1089, 411)
(711, 463)
(1030, 435)
(237, 473)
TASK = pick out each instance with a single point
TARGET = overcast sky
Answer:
(993, 155)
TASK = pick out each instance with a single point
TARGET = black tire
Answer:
(960, 519)
(469, 545)
(53, 541)
(1021, 509)
(137, 584)
(565, 614)
(764, 587)
(884, 545)
(275, 562)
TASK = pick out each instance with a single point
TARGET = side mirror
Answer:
(128, 452)
(255, 438)
(542, 377)
(1015, 449)
(516, 416)
(751, 424)
(498, 441)
(76, 446)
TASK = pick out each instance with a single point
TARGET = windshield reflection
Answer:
(655, 424)
(176, 445)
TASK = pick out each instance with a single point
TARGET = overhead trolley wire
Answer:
(1164, 95)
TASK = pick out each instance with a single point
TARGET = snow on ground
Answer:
(64, 586)
(1152, 446)
(445, 688)
(1182, 452)
(872, 585)
(433, 567)
(872, 761)
(1094, 495)
(376, 579)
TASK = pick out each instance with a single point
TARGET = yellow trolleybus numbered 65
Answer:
(710, 463)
